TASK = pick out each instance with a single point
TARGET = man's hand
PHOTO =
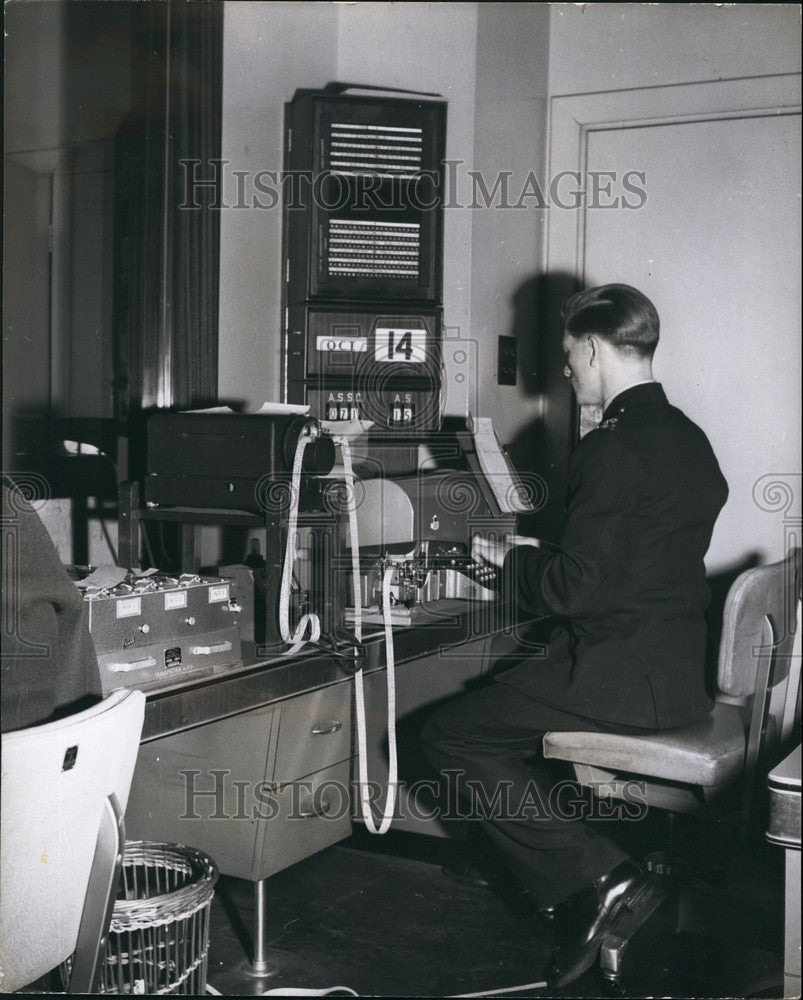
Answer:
(493, 551)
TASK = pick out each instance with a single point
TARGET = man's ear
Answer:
(593, 351)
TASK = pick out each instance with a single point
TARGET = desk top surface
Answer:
(269, 679)
(787, 773)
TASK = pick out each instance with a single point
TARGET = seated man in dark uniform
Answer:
(628, 582)
(49, 666)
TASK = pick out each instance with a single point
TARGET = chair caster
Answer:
(614, 988)
(668, 866)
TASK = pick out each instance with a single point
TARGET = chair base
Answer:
(615, 943)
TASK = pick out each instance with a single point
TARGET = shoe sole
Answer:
(633, 901)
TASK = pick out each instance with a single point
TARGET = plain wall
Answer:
(35, 51)
(26, 297)
(269, 50)
(596, 47)
(507, 243)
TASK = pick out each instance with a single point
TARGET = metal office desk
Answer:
(784, 829)
(453, 623)
(255, 767)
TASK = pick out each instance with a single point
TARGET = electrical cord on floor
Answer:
(301, 991)
(499, 992)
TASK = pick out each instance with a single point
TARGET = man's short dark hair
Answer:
(619, 314)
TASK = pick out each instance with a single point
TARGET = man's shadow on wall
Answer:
(541, 448)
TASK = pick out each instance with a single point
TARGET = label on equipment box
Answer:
(173, 657)
(350, 345)
(217, 594)
(128, 607)
(175, 599)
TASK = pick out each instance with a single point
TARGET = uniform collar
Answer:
(638, 394)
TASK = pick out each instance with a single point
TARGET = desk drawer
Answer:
(314, 731)
(204, 787)
(307, 815)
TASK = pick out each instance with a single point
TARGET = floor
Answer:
(377, 914)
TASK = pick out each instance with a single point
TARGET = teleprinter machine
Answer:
(228, 460)
(419, 502)
(219, 461)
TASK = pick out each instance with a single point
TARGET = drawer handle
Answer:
(326, 730)
(220, 647)
(132, 665)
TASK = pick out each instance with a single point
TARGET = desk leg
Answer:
(260, 967)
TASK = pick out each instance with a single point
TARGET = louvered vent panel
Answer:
(359, 248)
(385, 150)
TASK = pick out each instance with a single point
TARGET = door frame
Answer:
(573, 117)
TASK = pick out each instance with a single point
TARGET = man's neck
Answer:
(625, 381)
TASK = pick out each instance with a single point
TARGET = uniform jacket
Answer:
(644, 492)
(49, 664)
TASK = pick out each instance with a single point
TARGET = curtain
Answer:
(167, 231)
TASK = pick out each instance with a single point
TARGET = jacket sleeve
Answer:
(571, 581)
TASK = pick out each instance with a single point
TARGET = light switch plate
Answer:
(507, 361)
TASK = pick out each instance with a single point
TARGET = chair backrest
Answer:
(758, 626)
(56, 779)
(756, 659)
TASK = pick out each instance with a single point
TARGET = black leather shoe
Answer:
(582, 921)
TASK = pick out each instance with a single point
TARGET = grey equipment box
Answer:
(163, 631)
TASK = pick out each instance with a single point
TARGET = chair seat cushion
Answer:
(707, 753)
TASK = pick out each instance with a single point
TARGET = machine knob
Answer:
(311, 429)
(189, 621)
(145, 629)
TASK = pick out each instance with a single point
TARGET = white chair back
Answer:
(56, 779)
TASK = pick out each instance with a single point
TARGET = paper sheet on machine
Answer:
(508, 492)
(272, 409)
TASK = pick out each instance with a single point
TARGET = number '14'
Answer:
(404, 346)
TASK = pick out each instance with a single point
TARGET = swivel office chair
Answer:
(687, 770)
(65, 787)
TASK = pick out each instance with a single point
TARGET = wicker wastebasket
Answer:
(159, 932)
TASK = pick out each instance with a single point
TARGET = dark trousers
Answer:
(492, 739)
